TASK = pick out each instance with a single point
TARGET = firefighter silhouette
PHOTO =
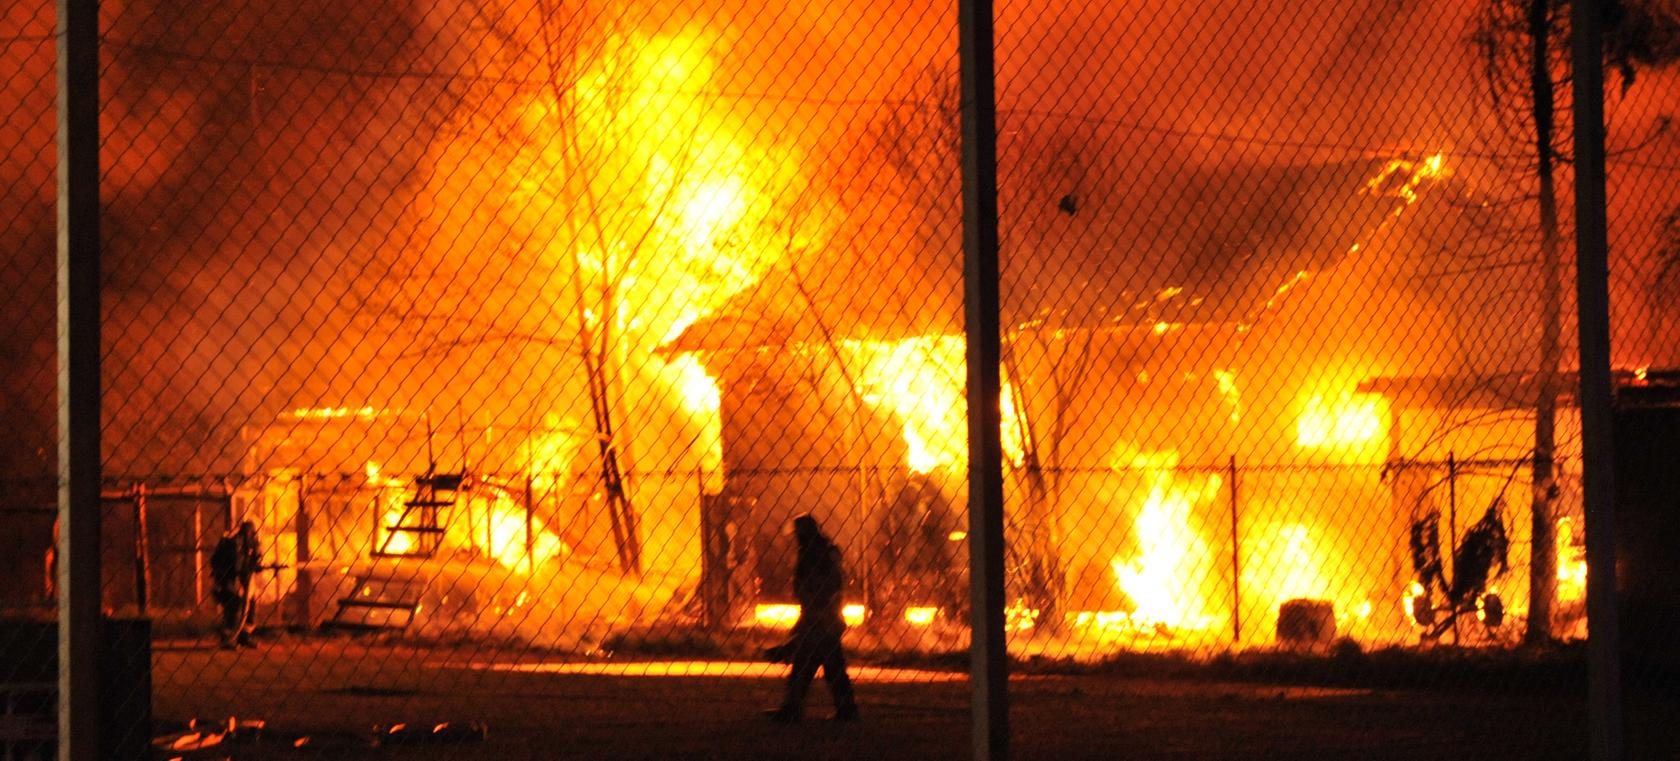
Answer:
(236, 559)
(819, 583)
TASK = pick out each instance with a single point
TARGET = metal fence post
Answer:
(142, 553)
(1592, 302)
(988, 653)
(80, 637)
(1236, 564)
(1452, 528)
(304, 581)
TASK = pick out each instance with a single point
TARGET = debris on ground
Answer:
(441, 733)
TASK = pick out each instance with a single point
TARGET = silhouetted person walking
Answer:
(234, 562)
(818, 580)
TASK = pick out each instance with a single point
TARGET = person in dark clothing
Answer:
(234, 562)
(818, 581)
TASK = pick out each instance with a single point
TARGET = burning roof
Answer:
(1198, 247)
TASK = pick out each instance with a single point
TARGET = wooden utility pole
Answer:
(1542, 559)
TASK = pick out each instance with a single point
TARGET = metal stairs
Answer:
(387, 596)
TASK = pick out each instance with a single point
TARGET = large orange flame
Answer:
(1163, 579)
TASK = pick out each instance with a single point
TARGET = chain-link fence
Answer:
(470, 362)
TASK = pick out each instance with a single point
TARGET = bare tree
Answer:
(1525, 50)
(1046, 359)
(570, 214)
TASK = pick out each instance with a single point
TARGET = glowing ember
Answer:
(785, 615)
(334, 413)
(920, 616)
(1401, 178)
(775, 615)
(1019, 617)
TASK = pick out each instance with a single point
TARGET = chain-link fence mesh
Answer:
(517, 333)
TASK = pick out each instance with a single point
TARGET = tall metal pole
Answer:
(1592, 302)
(79, 626)
(989, 656)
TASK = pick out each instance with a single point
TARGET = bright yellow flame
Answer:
(920, 616)
(389, 493)
(1019, 617)
(699, 391)
(1010, 423)
(550, 456)
(852, 614)
(1362, 611)
(701, 398)
(1408, 602)
(333, 413)
(708, 209)
(1288, 564)
(1227, 380)
(502, 537)
(395, 541)
(1571, 564)
(921, 458)
(637, 186)
(1163, 579)
(919, 380)
(1348, 423)
(490, 524)
(1401, 178)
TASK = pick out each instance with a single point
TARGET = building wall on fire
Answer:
(1154, 467)
(797, 439)
(336, 480)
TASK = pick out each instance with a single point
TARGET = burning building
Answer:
(536, 318)
(1180, 460)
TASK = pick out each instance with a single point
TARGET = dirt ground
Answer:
(335, 691)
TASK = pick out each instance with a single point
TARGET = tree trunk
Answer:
(1542, 564)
